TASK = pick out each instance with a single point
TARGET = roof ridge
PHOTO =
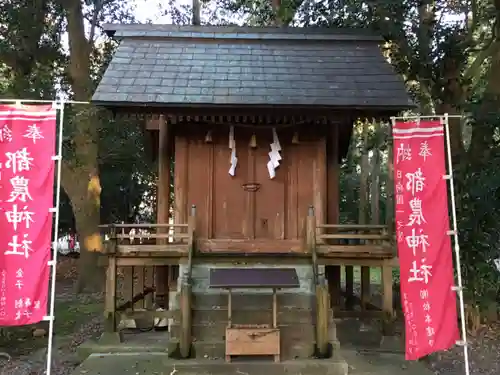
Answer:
(237, 32)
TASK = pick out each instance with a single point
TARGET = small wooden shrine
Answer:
(250, 126)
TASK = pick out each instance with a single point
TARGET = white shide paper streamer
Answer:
(274, 155)
(232, 145)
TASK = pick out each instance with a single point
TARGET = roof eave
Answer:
(157, 107)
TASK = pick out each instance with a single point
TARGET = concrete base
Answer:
(91, 347)
(158, 363)
(393, 344)
(111, 338)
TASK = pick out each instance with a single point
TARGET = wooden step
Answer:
(207, 301)
(293, 333)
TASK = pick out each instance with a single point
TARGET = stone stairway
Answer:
(296, 316)
(296, 320)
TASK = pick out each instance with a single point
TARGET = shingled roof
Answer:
(164, 65)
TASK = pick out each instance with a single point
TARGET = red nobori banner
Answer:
(424, 245)
(27, 145)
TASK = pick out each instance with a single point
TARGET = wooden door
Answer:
(229, 198)
(269, 213)
(250, 205)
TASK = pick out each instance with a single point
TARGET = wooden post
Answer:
(192, 234)
(185, 339)
(277, 357)
(163, 208)
(333, 275)
(322, 310)
(229, 316)
(387, 305)
(365, 287)
(138, 286)
(311, 242)
(363, 205)
(186, 289)
(148, 283)
(111, 294)
(332, 272)
(389, 188)
(375, 208)
(349, 287)
(111, 335)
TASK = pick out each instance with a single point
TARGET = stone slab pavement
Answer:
(160, 364)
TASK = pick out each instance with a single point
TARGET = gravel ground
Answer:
(484, 353)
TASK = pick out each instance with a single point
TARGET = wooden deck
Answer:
(141, 249)
(169, 244)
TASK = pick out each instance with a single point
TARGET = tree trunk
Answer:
(84, 190)
(80, 174)
(196, 20)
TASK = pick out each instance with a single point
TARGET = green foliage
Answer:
(34, 61)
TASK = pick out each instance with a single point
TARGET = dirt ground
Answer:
(79, 317)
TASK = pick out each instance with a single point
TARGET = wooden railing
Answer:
(154, 239)
(131, 247)
(347, 240)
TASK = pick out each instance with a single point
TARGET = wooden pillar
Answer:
(375, 209)
(110, 300)
(138, 285)
(148, 283)
(322, 309)
(186, 289)
(163, 208)
(311, 242)
(387, 305)
(333, 273)
(389, 188)
(363, 208)
(111, 335)
(349, 287)
(185, 339)
(365, 287)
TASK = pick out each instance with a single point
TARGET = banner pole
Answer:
(53, 262)
(456, 246)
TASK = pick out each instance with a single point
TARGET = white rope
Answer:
(17, 101)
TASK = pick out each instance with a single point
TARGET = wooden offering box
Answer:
(253, 340)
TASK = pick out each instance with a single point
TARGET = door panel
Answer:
(229, 197)
(270, 198)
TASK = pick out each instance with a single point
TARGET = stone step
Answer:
(216, 349)
(154, 364)
(255, 316)
(242, 301)
(289, 333)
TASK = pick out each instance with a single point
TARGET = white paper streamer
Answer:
(232, 145)
(274, 155)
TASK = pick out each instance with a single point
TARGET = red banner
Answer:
(27, 145)
(424, 245)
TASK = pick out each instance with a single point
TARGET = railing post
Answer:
(321, 291)
(192, 227)
(311, 241)
(111, 335)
